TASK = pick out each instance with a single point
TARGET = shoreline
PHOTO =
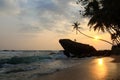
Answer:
(87, 68)
(91, 70)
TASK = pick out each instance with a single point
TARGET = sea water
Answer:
(25, 64)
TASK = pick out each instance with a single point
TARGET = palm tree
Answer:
(76, 27)
(104, 15)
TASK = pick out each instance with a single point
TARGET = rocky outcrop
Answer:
(72, 48)
(116, 49)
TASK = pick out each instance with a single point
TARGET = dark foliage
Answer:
(104, 15)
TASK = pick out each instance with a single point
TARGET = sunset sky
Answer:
(39, 24)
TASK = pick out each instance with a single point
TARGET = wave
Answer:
(37, 65)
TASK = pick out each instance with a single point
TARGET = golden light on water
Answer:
(100, 61)
(99, 69)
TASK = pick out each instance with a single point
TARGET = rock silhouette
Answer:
(75, 49)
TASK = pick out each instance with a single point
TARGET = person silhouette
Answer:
(75, 40)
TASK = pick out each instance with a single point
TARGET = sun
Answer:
(96, 37)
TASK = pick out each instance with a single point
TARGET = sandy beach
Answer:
(104, 68)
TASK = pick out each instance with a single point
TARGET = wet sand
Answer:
(106, 68)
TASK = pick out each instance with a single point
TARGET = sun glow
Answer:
(96, 37)
(100, 61)
(100, 69)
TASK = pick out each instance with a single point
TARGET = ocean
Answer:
(27, 64)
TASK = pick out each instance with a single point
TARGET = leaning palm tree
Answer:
(104, 16)
(77, 28)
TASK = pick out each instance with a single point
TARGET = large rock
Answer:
(76, 49)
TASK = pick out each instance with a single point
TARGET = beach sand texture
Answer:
(107, 68)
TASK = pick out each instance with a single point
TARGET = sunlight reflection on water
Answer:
(100, 61)
(102, 68)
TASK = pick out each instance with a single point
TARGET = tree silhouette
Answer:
(77, 28)
(104, 16)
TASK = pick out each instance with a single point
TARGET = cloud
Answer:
(8, 7)
(38, 15)
(29, 29)
(27, 23)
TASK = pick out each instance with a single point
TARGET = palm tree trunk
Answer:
(86, 35)
(94, 38)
